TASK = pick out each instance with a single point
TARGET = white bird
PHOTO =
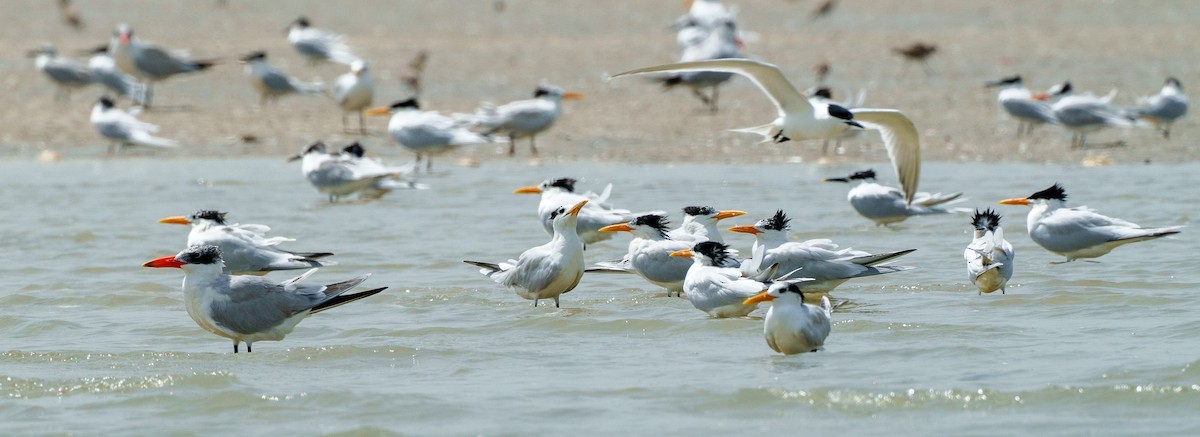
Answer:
(123, 129)
(800, 119)
(713, 287)
(271, 83)
(1079, 232)
(354, 92)
(650, 251)
(824, 95)
(989, 257)
(822, 260)
(707, 13)
(245, 249)
(355, 154)
(545, 271)
(104, 72)
(317, 45)
(523, 118)
(1086, 113)
(720, 42)
(251, 308)
(1020, 103)
(886, 205)
(331, 174)
(792, 326)
(597, 214)
(65, 74)
(426, 133)
(1163, 109)
(700, 224)
(148, 62)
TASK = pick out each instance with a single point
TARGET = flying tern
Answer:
(714, 287)
(123, 129)
(336, 176)
(792, 326)
(1020, 103)
(245, 249)
(66, 74)
(545, 271)
(822, 260)
(989, 257)
(1079, 232)
(523, 118)
(426, 133)
(801, 119)
(251, 308)
(354, 92)
(824, 96)
(318, 45)
(886, 205)
(272, 83)
(597, 214)
(1163, 109)
(148, 62)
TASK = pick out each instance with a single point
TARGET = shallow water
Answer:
(95, 344)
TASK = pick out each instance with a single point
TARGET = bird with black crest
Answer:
(271, 83)
(245, 248)
(700, 224)
(123, 129)
(338, 177)
(715, 285)
(426, 133)
(650, 251)
(792, 326)
(886, 205)
(318, 45)
(522, 118)
(989, 256)
(597, 214)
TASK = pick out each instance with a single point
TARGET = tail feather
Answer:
(486, 268)
(204, 65)
(338, 301)
(871, 260)
(309, 255)
(1151, 234)
(767, 131)
(146, 139)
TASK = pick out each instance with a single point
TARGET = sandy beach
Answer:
(478, 53)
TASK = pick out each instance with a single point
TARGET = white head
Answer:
(202, 219)
(649, 226)
(707, 253)
(773, 228)
(707, 216)
(565, 217)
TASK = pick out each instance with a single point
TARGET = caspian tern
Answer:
(66, 74)
(317, 45)
(545, 271)
(245, 249)
(354, 92)
(251, 308)
(700, 224)
(1020, 103)
(331, 174)
(989, 257)
(523, 118)
(123, 129)
(801, 119)
(650, 251)
(886, 205)
(148, 62)
(821, 260)
(272, 83)
(717, 290)
(426, 133)
(1079, 232)
(792, 326)
(1163, 109)
(597, 214)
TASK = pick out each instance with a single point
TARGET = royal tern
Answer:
(1020, 103)
(714, 288)
(66, 74)
(1086, 113)
(251, 308)
(792, 326)
(123, 129)
(650, 251)
(148, 62)
(354, 153)
(354, 92)
(989, 257)
(824, 95)
(800, 119)
(821, 260)
(700, 224)
(916, 52)
(426, 133)
(886, 205)
(545, 271)
(331, 174)
(721, 42)
(523, 118)
(1079, 232)
(597, 214)
(245, 249)
(272, 83)
(1164, 108)
(104, 72)
(317, 45)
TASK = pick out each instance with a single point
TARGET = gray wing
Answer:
(902, 142)
(1166, 108)
(277, 82)
(257, 304)
(158, 63)
(768, 78)
(114, 130)
(67, 72)
(1030, 110)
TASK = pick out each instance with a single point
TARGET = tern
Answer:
(123, 129)
(801, 119)
(714, 287)
(1020, 103)
(148, 62)
(721, 42)
(821, 260)
(1164, 108)
(1086, 113)
(245, 249)
(247, 309)
(989, 257)
(104, 72)
(823, 95)
(650, 251)
(317, 45)
(272, 83)
(523, 118)
(886, 205)
(792, 326)
(426, 133)
(597, 214)
(1079, 232)
(545, 271)
(700, 224)
(66, 74)
(354, 153)
(354, 92)
(331, 174)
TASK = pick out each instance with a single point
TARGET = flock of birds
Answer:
(226, 294)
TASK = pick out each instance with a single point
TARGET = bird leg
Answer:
(512, 146)
(703, 98)
(248, 346)
(344, 128)
(362, 124)
(713, 107)
(556, 302)
(535, 301)
(235, 346)
(532, 145)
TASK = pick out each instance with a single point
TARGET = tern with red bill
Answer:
(247, 309)
(149, 62)
(546, 271)
(792, 326)
(1079, 232)
(245, 249)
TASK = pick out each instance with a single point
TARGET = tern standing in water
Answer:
(989, 257)
(792, 326)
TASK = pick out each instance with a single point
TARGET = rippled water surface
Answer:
(95, 344)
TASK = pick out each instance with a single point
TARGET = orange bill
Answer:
(745, 229)
(760, 297)
(575, 209)
(177, 220)
(619, 227)
(729, 214)
(1016, 201)
(682, 253)
(528, 190)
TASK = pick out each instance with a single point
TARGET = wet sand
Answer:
(479, 54)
